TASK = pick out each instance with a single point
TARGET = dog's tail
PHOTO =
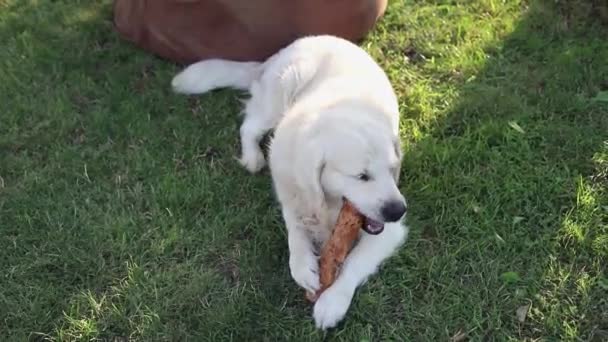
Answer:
(211, 74)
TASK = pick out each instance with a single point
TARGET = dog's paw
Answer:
(331, 307)
(305, 271)
(253, 161)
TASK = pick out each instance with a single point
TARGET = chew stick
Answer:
(338, 246)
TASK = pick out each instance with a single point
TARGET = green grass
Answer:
(123, 214)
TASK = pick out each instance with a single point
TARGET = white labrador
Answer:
(335, 119)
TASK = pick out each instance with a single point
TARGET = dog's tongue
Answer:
(373, 227)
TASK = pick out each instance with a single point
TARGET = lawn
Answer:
(123, 214)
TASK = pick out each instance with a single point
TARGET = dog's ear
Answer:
(308, 168)
(397, 147)
(399, 153)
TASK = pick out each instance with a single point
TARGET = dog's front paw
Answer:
(304, 270)
(331, 307)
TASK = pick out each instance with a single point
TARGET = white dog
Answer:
(335, 119)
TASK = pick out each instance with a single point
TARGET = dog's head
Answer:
(359, 160)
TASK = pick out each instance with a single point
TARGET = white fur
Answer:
(335, 116)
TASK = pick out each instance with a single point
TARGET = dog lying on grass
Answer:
(335, 119)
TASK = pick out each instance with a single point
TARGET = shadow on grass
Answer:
(124, 215)
(496, 180)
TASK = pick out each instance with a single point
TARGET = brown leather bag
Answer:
(187, 31)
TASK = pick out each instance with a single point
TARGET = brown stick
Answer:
(338, 246)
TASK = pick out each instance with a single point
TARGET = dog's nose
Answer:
(393, 211)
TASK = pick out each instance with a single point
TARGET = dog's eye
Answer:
(363, 177)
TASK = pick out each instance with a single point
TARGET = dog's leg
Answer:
(362, 262)
(262, 113)
(252, 131)
(271, 96)
(303, 263)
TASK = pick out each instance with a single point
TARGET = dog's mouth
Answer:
(372, 226)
